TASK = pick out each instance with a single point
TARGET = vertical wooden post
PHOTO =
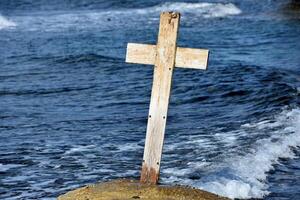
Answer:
(163, 70)
(165, 55)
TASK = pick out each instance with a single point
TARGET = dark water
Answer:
(72, 112)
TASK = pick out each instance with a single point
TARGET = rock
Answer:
(129, 190)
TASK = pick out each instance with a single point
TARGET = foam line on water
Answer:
(5, 23)
(244, 175)
(55, 20)
(207, 10)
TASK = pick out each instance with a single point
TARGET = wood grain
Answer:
(163, 70)
(191, 58)
(185, 57)
(141, 53)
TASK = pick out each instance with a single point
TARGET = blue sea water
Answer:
(72, 112)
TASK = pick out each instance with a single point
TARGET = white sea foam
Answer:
(176, 171)
(129, 147)
(5, 23)
(207, 10)
(250, 170)
(82, 148)
(244, 176)
(57, 21)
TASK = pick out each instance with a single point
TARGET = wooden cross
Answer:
(164, 56)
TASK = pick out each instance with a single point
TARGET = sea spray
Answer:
(251, 170)
(244, 175)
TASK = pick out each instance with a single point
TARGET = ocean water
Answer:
(72, 112)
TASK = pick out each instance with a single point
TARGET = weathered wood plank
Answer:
(185, 57)
(141, 53)
(163, 70)
(191, 58)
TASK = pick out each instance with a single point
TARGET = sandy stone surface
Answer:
(128, 189)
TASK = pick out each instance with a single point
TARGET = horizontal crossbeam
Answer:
(185, 57)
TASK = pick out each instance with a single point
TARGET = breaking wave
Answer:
(207, 10)
(244, 175)
(54, 21)
(5, 23)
